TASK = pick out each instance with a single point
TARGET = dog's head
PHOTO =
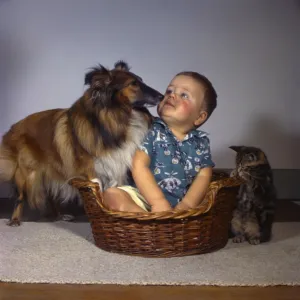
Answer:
(119, 86)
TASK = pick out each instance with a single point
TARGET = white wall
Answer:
(249, 49)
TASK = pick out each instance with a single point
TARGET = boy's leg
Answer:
(117, 199)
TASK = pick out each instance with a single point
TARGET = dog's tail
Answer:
(8, 164)
(35, 190)
(35, 193)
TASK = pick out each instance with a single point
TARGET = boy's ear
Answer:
(201, 119)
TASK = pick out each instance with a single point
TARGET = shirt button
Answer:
(180, 144)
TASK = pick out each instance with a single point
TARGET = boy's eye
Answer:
(168, 92)
(184, 96)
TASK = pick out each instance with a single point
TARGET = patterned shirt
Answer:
(175, 163)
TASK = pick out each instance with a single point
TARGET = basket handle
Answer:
(215, 186)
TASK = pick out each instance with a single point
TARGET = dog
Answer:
(94, 139)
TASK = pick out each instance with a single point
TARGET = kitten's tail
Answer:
(266, 230)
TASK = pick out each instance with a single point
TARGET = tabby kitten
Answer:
(254, 213)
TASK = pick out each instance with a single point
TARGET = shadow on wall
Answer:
(6, 66)
(279, 143)
(5, 69)
(13, 59)
(11, 64)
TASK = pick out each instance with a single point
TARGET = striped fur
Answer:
(254, 213)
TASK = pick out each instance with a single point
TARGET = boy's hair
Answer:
(210, 95)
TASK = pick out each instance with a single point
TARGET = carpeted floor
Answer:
(62, 252)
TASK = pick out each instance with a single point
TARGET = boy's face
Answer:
(183, 102)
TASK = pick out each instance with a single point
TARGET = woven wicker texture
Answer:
(163, 234)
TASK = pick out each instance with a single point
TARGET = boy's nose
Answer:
(172, 94)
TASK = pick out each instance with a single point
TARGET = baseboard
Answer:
(5, 190)
(287, 183)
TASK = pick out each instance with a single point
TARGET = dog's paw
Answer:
(96, 180)
(238, 239)
(13, 223)
(67, 218)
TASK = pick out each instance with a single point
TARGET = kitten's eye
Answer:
(184, 96)
(251, 157)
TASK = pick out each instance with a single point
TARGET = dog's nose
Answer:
(160, 97)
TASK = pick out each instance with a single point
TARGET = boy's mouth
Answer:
(170, 103)
(166, 103)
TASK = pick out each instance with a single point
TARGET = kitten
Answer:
(254, 213)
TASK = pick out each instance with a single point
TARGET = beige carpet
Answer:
(64, 253)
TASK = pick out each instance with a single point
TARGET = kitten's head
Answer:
(251, 163)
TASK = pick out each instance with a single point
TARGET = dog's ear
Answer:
(99, 91)
(98, 78)
(122, 66)
(236, 148)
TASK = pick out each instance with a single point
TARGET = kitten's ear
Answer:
(262, 156)
(236, 148)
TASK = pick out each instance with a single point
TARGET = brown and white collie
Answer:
(95, 138)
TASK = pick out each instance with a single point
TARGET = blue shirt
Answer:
(175, 163)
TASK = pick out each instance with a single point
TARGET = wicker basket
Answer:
(163, 234)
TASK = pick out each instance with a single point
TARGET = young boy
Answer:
(173, 167)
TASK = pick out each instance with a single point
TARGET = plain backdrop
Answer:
(249, 49)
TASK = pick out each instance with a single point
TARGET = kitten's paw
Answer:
(13, 223)
(238, 239)
(96, 180)
(254, 241)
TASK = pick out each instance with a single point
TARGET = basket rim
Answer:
(204, 207)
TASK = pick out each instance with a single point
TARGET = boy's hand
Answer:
(162, 205)
(182, 206)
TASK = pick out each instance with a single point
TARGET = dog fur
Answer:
(94, 139)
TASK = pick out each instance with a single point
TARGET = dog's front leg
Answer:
(97, 180)
(92, 176)
(19, 203)
(17, 213)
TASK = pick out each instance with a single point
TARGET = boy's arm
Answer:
(145, 181)
(197, 190)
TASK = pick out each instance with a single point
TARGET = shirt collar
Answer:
(194, 133)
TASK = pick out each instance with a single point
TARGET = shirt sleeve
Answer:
(147, 144)
(206, 160)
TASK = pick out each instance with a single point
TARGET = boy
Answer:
(173, 167)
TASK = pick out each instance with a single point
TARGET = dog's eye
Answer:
(134, 83)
